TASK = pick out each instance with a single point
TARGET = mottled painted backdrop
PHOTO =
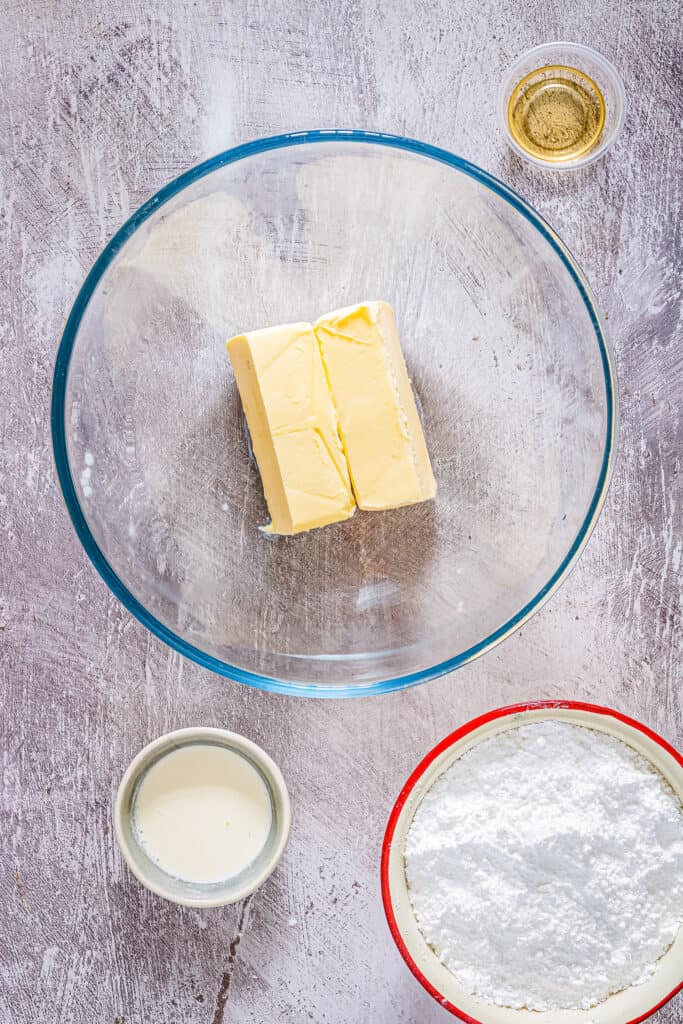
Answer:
(100, 104)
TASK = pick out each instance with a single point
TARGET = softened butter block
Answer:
(378, 420)
(293, 427)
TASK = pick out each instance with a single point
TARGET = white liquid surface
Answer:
(202, 813)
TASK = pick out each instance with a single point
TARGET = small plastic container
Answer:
(594, 70)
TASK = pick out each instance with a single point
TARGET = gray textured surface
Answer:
(100, 104)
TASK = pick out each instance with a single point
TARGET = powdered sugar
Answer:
(545, 867)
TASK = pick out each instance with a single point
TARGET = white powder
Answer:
(545, 867)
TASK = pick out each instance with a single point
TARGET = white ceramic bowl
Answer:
(628, 1007)
(193, 894)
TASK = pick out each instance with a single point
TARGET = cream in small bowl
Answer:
(532, 868)
(202, 816)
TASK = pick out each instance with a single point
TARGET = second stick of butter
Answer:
(378, 419)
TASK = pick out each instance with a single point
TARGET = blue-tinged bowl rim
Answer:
(68, 340)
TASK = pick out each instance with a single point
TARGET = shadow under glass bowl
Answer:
(509, 362)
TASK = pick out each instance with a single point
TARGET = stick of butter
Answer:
(378, 420)
(293, 427)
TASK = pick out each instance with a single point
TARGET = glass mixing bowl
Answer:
(510, 366)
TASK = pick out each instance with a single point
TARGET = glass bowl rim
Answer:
(67, 344)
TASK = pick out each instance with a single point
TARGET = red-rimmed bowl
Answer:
(628, 1007)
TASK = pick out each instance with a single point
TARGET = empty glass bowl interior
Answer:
(508, 361)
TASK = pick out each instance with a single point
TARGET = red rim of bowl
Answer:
(449, 741)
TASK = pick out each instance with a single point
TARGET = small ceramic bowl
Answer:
(628, 1007)
(591, 64)
(178, 890)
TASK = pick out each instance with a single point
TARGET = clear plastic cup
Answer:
(583, 59)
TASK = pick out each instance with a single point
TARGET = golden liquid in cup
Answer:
(556, 113)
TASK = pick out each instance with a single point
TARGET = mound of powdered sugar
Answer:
(545, 867)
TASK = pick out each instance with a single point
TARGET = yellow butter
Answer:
(293, 427)
(378, 420)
